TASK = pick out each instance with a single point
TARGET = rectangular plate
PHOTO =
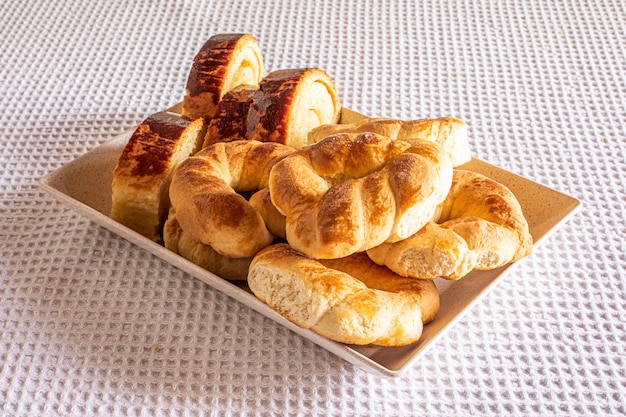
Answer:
(84, 185)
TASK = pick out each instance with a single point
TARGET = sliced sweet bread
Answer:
(224, 62)
(144, 170)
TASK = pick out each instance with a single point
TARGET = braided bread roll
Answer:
(180, 242)
(447, 132)
(382, 278)
(204, 195)
(351, 192)
(223, 63)
(290, 103)
(481, 226)
(335, 304)
(142, 175)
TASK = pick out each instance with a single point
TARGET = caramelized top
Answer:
(150, 148)
(229, 122)
(272, 103)
(210, 65)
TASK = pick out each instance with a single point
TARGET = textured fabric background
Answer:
(92, 325)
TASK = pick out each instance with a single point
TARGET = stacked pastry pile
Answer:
(342, 228)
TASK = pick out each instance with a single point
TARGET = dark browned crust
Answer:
(150, 148)
(210, 65)
(269, 112)
(205, 83)
(230, 120)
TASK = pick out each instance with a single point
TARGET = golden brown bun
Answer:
(290, 103)
(223, 63)
(178, 241)
(204, 194)
(231, 117)
(143, 172)
(447, 132)
(351, 192)
(382, 278)
(332, 303)
(481, 226)
(274, 219)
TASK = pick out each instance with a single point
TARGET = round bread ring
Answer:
(290, 103)
(481, 226)
(204, 195)
(224, 62)
(179, 241)
(351, 192)
(336, 304)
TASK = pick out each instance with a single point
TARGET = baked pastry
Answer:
(230, 121)
(481, 226)
(205, 195)
(290, 103)
(143, 172)
(447, 132)
(179, 241)
(274, 219)
(224, 62)
(382, 278)
(351, 192)
(335, 304)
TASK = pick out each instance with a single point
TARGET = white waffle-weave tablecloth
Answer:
(93, 325)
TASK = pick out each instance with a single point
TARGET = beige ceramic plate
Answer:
(84, 185)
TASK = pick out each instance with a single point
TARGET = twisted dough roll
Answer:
(338, 305)
(481, 226)
(180, 242)
(382, 278)
(223, 63)
(290, 103)
(204, 195)
(351, 192)
(447, 132)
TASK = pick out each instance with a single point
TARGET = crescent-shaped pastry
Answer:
(481, 226)
(205, 195)
(180, 242)
(336, 304)
(382, 278)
